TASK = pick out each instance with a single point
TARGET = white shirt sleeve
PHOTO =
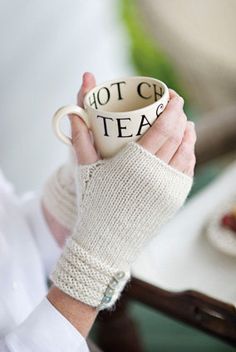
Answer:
(46, 243)
(44, 330)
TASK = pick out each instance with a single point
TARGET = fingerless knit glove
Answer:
(124, 202)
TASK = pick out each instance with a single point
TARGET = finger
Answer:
(184, 159)
(82, 142)
(165, 125)
(88, 83)
(82, 138)
(169, 148)
(173, 93)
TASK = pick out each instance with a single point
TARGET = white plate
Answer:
(220, 237)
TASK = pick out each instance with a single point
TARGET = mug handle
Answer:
(63, 111)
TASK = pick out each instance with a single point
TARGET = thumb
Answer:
(88, 82)
(82, 141)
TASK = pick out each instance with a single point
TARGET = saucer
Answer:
(221, 237)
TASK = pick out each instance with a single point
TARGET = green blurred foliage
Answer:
(147, 57)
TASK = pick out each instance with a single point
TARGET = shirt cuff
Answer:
(47, 330)
(46, 243)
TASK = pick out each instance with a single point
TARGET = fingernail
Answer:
(178, 100)
(84, 78)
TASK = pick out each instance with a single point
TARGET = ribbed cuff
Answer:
(59, 197)
(88, 279)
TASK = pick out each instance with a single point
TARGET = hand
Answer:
(126, 198)
(171, 138)
(59, 202)
(125, 201)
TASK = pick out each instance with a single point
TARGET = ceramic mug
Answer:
(118, 111)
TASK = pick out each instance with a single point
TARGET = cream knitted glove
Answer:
(59, 194)
(124, 202)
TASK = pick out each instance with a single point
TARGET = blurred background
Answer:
(47, 45)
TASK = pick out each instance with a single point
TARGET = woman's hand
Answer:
(171, 138)
(125, 201)
(59, 196)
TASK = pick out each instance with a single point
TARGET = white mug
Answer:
(118, 111)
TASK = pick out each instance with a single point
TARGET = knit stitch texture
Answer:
(59, 195)
(123, 203)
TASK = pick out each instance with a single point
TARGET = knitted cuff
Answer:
(59, 196)
(87, 278)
